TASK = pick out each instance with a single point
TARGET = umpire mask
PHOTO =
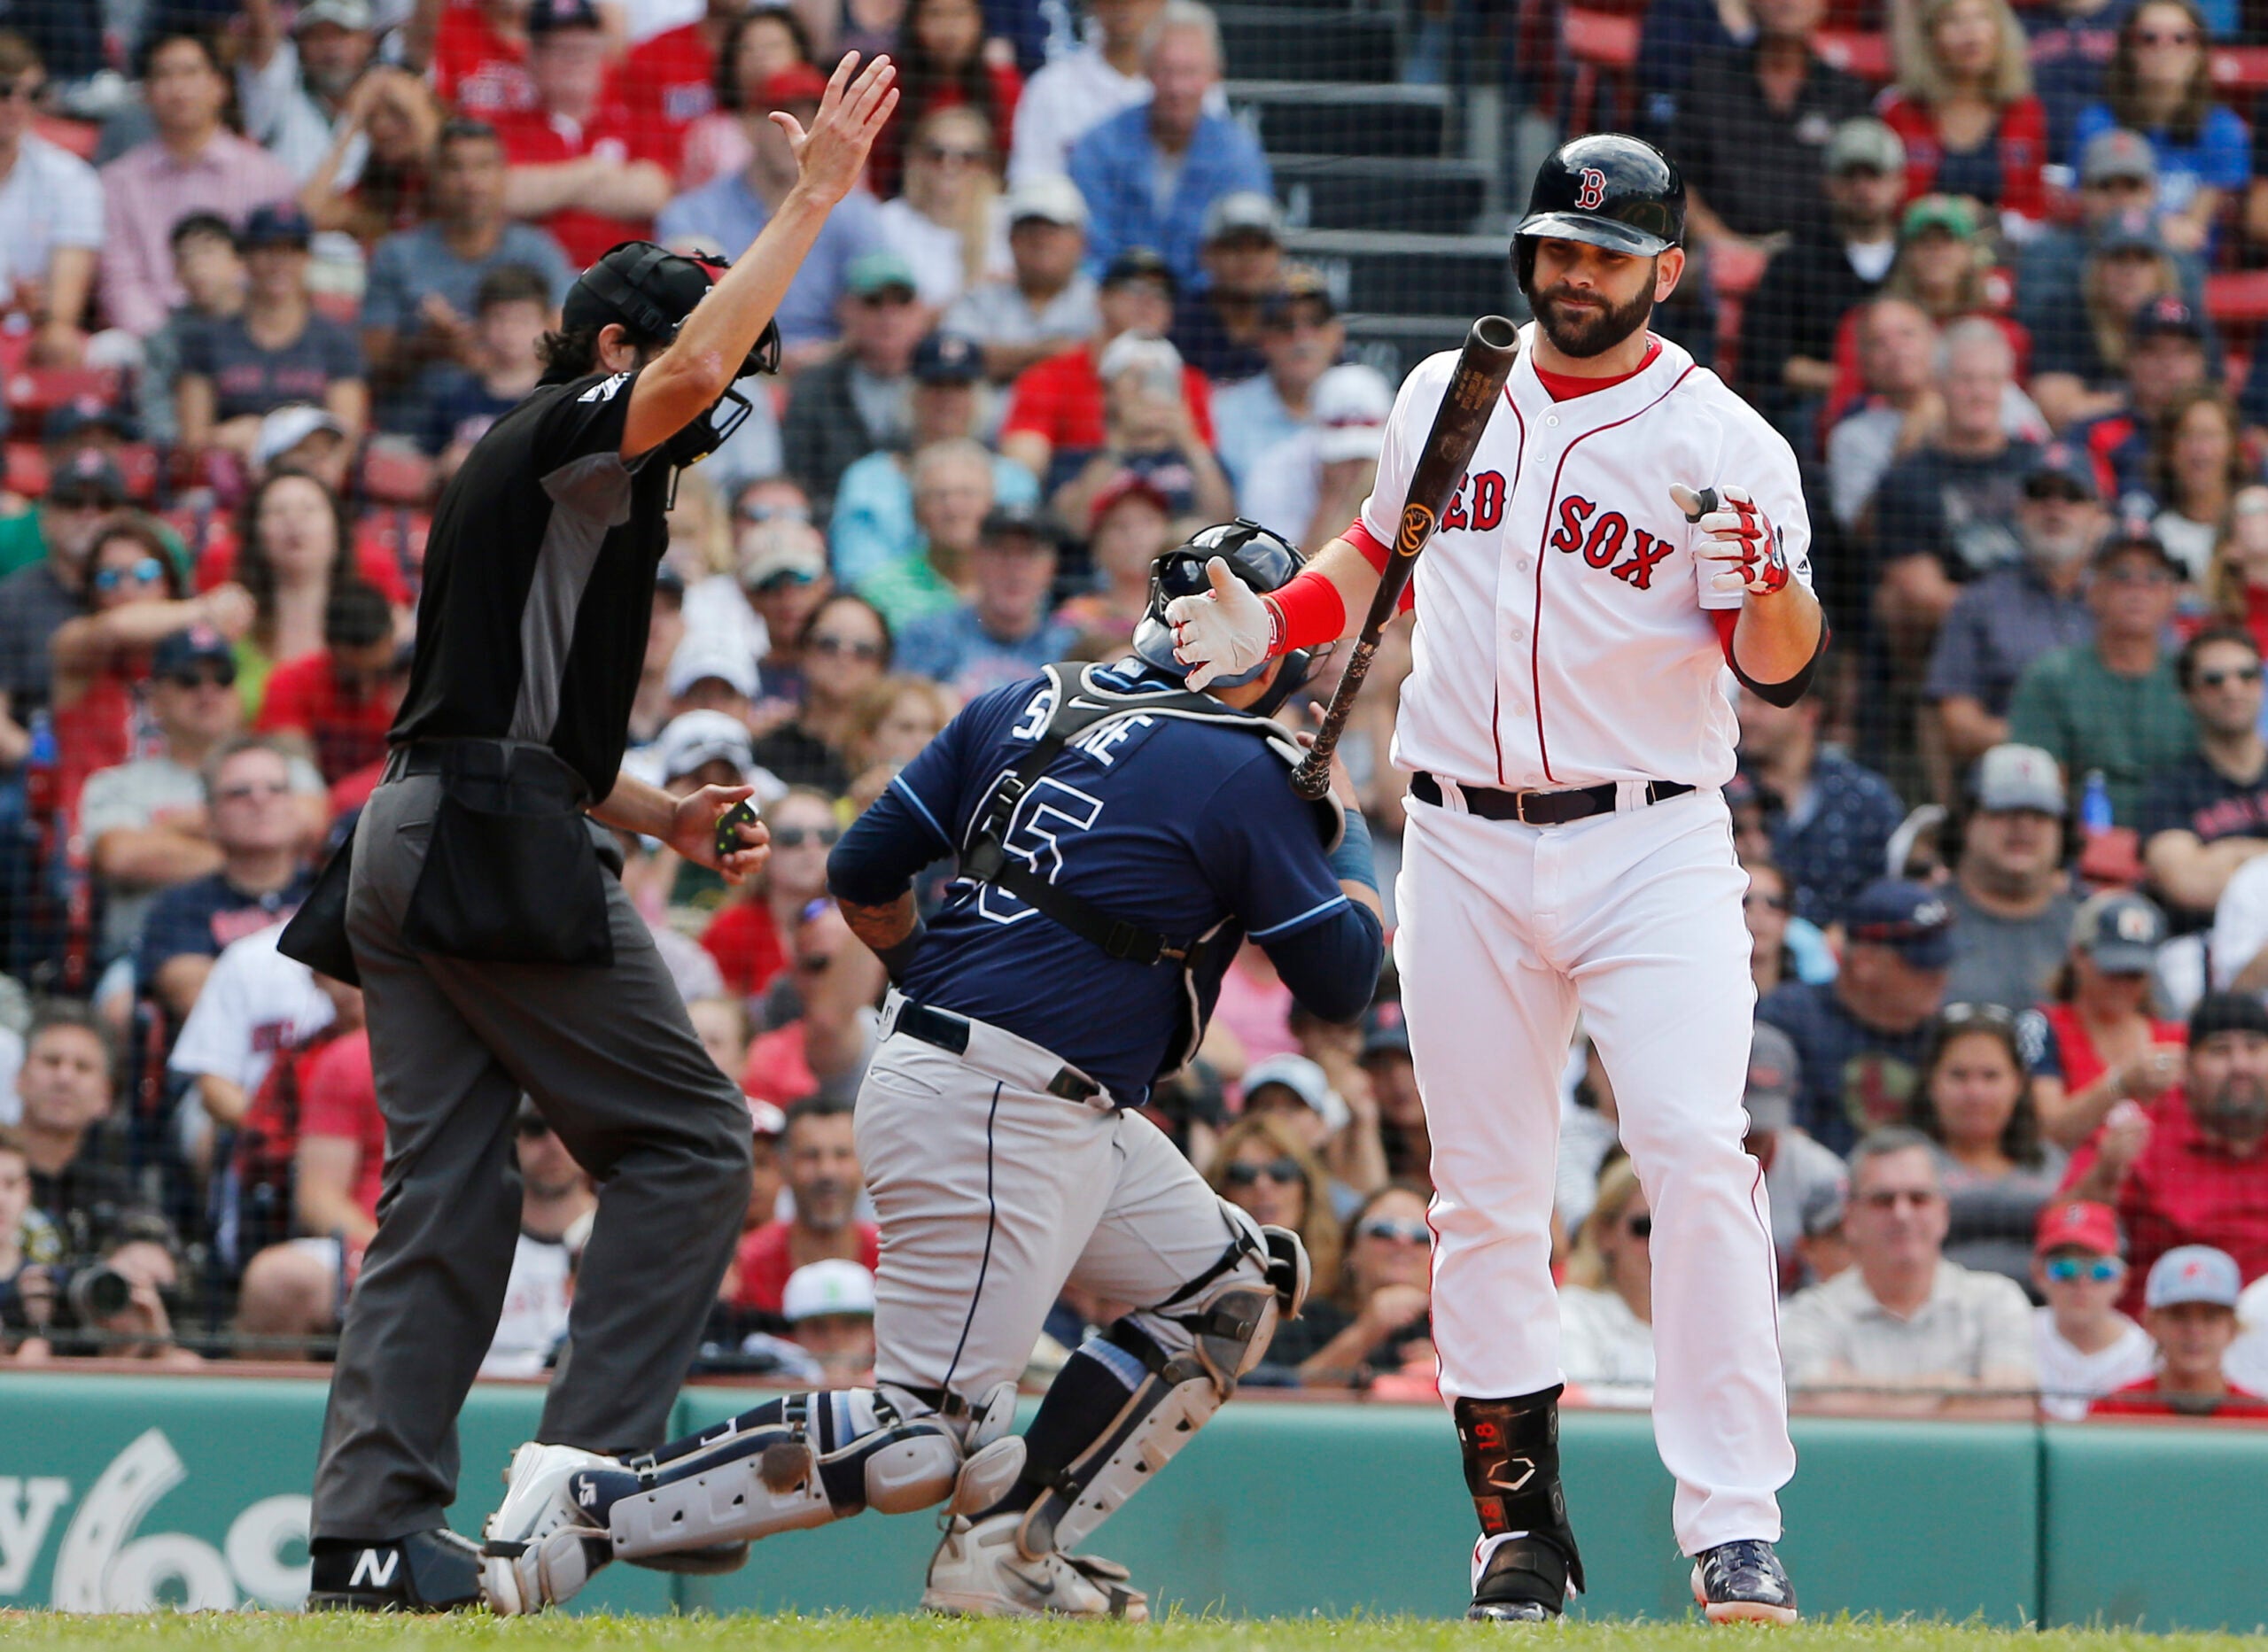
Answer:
(1263, 560)
(651, 290)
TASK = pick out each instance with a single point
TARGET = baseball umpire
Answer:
(497, 954)
(1119, 837)
(1567, 733)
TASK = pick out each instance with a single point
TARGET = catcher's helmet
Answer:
(651, 290)
(1606, 190)
(1263, 560)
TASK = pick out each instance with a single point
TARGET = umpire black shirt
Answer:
(539, 583)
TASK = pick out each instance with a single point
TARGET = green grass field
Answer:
(844, 1634)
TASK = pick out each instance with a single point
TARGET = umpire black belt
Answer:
(519, 764)
(943, 1030)
(1538, 808)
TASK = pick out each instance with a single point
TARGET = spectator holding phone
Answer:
(1147, 429)
(135, 598)
(2109, 1048)
(2192, 1168)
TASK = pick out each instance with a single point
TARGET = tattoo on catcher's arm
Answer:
(881, 928)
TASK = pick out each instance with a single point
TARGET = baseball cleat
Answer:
(543, 1543)
(980, 1572)
(1743, 1582)
(426, 1572)
(1524, 1581)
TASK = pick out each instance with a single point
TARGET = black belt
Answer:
(504, 762)
(948, 1031)
(1538, 808)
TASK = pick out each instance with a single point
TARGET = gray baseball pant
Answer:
(611, 1060)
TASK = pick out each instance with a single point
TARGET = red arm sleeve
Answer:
(1725, 619)
(1376, 555)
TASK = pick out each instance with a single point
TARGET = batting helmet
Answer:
(651, 290)
(1263, 560)
(1606, 189)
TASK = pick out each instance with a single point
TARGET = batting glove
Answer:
(1224, 632)
(1736, 533)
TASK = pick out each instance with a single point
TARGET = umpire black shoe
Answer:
(1525, 1582)
(1743, 1582)
(426, 1572)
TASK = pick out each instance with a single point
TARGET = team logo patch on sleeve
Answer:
(604, 390)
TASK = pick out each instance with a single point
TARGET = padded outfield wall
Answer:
(117, 1491)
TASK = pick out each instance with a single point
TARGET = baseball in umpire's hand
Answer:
(1736, 535)
(1224, 632)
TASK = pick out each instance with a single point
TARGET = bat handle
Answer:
(1312, 779)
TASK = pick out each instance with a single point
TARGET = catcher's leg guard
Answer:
(1526, 1555)
(804, 1461)
(1127, 1401)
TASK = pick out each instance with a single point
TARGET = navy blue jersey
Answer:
(1188, 828)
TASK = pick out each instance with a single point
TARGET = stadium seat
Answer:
(2240, 71)
(395, 475)
(2237, 298)
(1857, 51)
(33, 392)
(1600, 44)
(78, 136)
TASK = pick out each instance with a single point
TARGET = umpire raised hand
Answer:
(498, 952)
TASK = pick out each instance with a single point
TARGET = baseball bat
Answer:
(1475, 383)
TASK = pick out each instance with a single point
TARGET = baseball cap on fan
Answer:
(2194, 1273)
(1305, 1080)
(693, 737)
(2119, 931)
(2078, 1225)
(705, 655)
(1774, 1071)
(1910, 917)
(548, 17)
(350, 15)
(2118, 153)
(1350, 406)
(1243, 213)
(831, 1286)
(1050, 198)
(2011, 777)
(1865, 141)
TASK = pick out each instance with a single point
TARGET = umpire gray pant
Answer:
(612, 1061)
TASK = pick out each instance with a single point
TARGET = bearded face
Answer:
(1585, 321)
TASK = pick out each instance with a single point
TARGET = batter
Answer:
(1567, 730)
(1119, 836)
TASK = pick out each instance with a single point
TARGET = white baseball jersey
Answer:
(1561, 640)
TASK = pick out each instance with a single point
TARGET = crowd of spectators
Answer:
(271, 270)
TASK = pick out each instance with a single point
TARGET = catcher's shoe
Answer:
(426, 1572)
(544, 1541)
(1743, 1582)
(980, 1572)
(1524, 1582)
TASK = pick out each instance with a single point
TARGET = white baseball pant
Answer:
(1633, 918)
(991, 1193)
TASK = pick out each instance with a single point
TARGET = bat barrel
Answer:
(1495, 332)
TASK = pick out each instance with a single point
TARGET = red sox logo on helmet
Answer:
(1594, 190)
